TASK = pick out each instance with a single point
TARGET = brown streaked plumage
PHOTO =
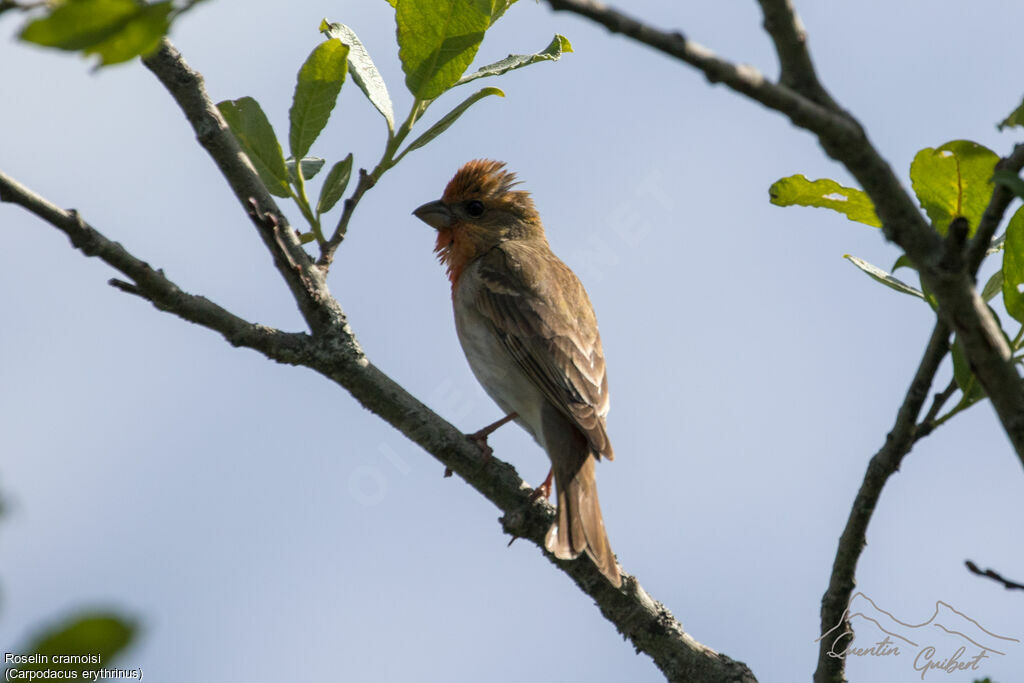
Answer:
(530, 336)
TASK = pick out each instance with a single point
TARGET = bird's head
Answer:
(479, 209)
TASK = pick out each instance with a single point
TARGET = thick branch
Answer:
(335, 354)
(986, 349)
(883, 465)
(842, 138)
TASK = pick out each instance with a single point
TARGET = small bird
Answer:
(530, 335)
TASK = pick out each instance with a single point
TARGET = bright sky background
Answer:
(262, 526)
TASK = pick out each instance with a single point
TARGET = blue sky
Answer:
(261, 525)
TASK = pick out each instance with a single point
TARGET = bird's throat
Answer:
(455, 250)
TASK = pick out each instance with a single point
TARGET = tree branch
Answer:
(790, 38)
(152, 284)
(930, 422)
(843, 139)
(883, 465)
(995, 576)
(366, 182)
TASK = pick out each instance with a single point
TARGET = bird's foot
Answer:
(480, 436)
(544, 490)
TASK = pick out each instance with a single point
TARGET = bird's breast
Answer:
(491, 363)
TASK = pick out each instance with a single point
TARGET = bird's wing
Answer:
(543, 317)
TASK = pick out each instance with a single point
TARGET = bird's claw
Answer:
(544, 490)
(480, 439)
(480, 436)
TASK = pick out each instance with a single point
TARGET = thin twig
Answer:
(883, 465)
(126, 287)
(930, 423)
(366, 182)
(152, 284)
(995, 576)
(790, 39)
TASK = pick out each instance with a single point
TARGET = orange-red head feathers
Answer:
(478, 210)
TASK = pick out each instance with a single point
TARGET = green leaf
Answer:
(954, 180)
(1016, 118)
(1013, 266)
(903, 262)
(449, 118)
(393, 3)
(885, 278)
(114, 30)
(140, 36)
(363, 70)
(334, 186)
(256, 137)
(307, 237)
(90, 633)
(310, 167)
(965, 378)
(438, 39)
(558, 46)
(498, 8)
(993, 286)
(316, 91)
(826, 194)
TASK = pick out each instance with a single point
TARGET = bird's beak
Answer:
(435, 214)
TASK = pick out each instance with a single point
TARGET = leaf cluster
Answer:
(437, 42)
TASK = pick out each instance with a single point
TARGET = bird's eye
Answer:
(475, 208)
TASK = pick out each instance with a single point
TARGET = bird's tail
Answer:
(578, 525)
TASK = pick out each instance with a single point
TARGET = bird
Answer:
(530, 335)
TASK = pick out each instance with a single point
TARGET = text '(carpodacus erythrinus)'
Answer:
(530, 336)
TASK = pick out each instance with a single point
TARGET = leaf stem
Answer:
(962, 405)
(368, 180)
(1016, 340)
(303, 202)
